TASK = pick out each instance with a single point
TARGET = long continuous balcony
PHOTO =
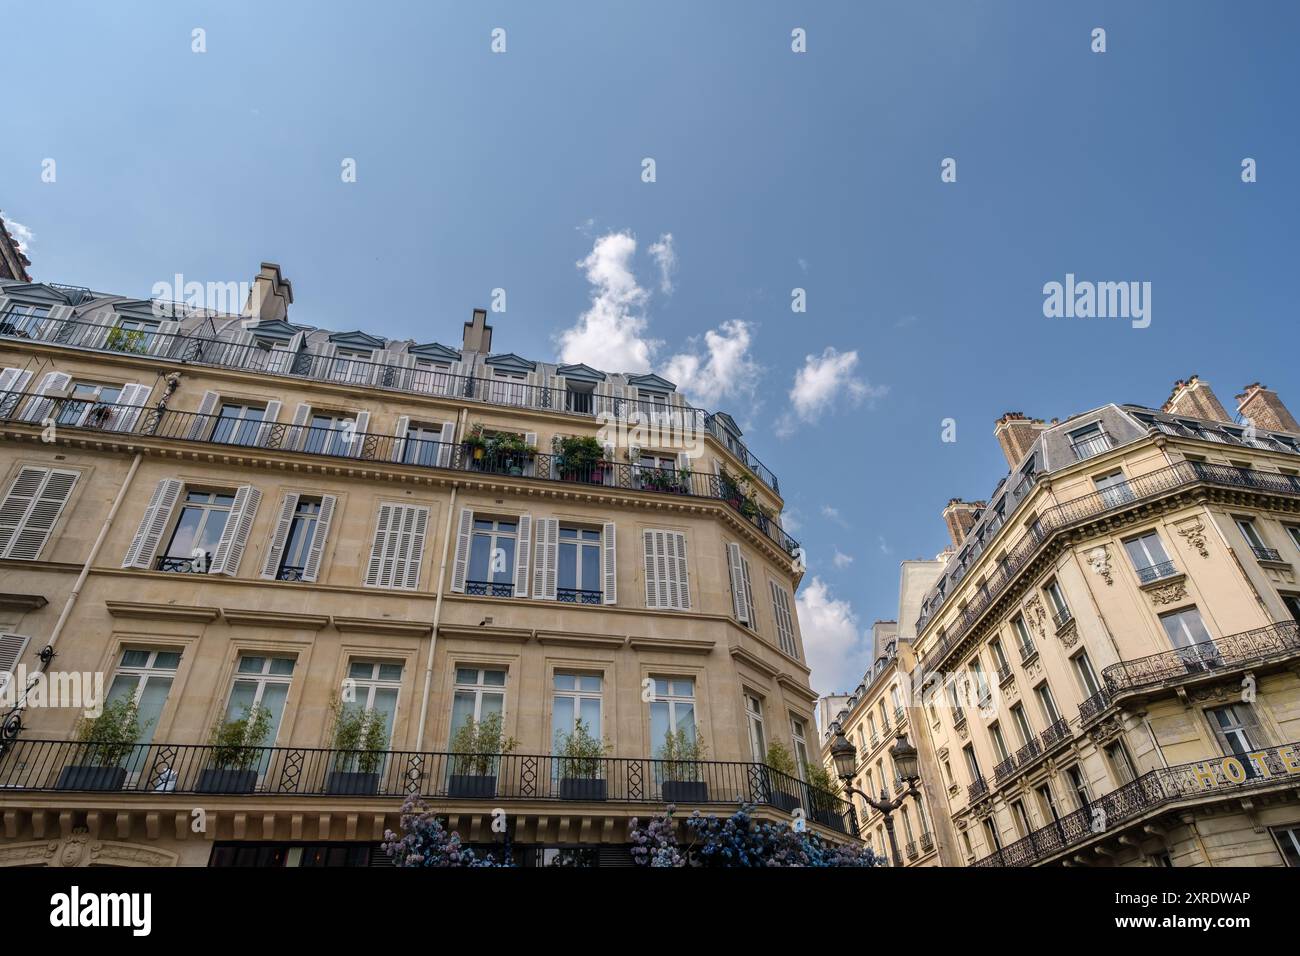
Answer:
(1262, 645)
(1176, 477)
(161, 768)
(124, 421)
(205, 350)
(1153, 790)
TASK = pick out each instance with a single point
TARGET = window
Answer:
(397, 550)
(672, 710)
(754, 722)
(1114, 489)
(330, 433)
(972, 765)
(742, 593)
(261, 682)
(991, 832)
(1288, 844)
(907, 826)
(800, 745)
(374, 685)
(147, 676)
(784, 619)
(967, 845)
(424, 445)
(1147, 552)
(492, 557)
(1048, 704)
(238, 424)
(19, 317)
(871, 723)
(479, 692)
(1089, 441)
(1292, 604)
(577, 699)
(89, 402)
(1238, 732)
(579, 397)
(197, 533)
(1023, 638)
(132, 335)
(999, 742)
(1047, 802)
(31, 508)
(579, 568)
(1023, 727)
(667, 583)
(1120, 764)
(999, 657)
(981, 682)
(302, 530)
(1261, 550)
(1087, 676)
(1060, 610)
(1078, 786)
(351, 365)
(1021, 818)
(1294, 532)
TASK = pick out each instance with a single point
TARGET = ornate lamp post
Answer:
(845, 757)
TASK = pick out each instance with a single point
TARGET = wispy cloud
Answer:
(826, 382)
(836, 649)
(665, 257)
(23, 236)
(833, 514)
(884, 545)
(841, 560)
(726, 370)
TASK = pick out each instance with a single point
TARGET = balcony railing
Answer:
(1055, 733)
(1028, 752)
(977, 789)
(578, 596)
(1028, 651)
(1154, 789)
(910, 850)
(1004, 673)
(1266, 554)
(927, 842)
(203, 350)
(63, 765)
(1004, 769)
(1062, 618)
(1094, 707)
(490, 588)
(340, 443)
(1092, 445)
(183, 565)
(1155, 572)
(1183, 474)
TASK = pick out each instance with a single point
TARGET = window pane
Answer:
(494, 678)
(561, 718)
(589, 711)
(462, 710)
(361, 670)
(565, 681)
(166, 660)
(131, 658)
(281, 665)
(390, 671)
(466, 675)
(568, 568)
(251, 665)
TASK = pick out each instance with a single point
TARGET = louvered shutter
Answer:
(460, 563)
(784, 622)
(298, 434)
(11, 652)
(677, 562)
(161, 341)
(398, 548)
(358, 448)
(383, 550)
(30, 510)
(316, 552)
(271, 566)
(50, 382)
(539, 560)
(133, 397)
(551, 555)
(399, 437)
(414, 549)
(530, 466)
(651, 553)
(203, 426)
(609, 563)
(152, 525)
(234, 536)
(446, 442)
(523, 548)
(12, 383)
(739, 606)
(266, 434)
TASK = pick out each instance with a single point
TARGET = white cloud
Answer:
(884, 545)
(837, 651)
(727, 371)
(842, 560)
(665, 256)
(819, 387)
(612, 333)
(834, 515)
(791, 521)
(22, 236)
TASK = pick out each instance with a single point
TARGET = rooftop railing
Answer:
(205, 350)
(160, 768)
(342, 443)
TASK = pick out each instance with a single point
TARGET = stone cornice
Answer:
(162, 612)
(677, 645)
(577, 639)
(485, 632)
(251, 617)
(381, 625)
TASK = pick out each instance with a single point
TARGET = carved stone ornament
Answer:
(78, 849)
(1099, 560)
(1106, 730)
(1194, 532)
(1169, 593)
(1036, 614)
(1068, 633)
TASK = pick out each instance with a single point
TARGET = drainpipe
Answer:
(437, 616)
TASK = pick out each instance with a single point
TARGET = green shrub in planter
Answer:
(680, 769)
(475, 750)
(236, 752)
(360, 741)
(579, 758)
(107, 741)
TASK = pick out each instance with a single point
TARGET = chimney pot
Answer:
(1260, 405)
(271, 295)
(1016, 433)
(960, 517)
(1195, 399)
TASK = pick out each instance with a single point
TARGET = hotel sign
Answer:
(1239, 769)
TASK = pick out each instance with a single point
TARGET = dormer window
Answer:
(132, 335)
(1089, 441)
(352, 365)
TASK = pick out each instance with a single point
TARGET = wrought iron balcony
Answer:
(1058, 731)
(1004, 769)
(490, 588)
(1091, 446)
(271, 772)
(1155, 572)
(910, 850)
(1094, 707)
(213, 351)
(1266, 554)
(900, 714)
(1062, 618)
(577, 596)
(977, 790)
(182, 565)
(340, 443)
(1176, 477)
(1004, 673)
(1028, 752)
(1153, 790)
(927, 842)
(1028, 651)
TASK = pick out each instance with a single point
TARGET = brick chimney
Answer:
(478, 334)
(960, 517)
(271, 294)
(1195, 399)
(1260, 404)
(1016, 433)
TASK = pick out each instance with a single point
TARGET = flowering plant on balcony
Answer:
(579, 457)
(736, 491)
(426, 842)
(475, 441)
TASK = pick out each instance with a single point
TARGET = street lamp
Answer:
(903, 754)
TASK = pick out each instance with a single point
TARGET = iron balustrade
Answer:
(1028, 651)
(1153, 790)
(1056, 732)
(1004, 673)
(1245, 649)
(578, 596)
(182, 565)
(1155, 572)
(54, 765)
(1004, 768)
(910, 850)
(490, 588)
(1094, 707)
(290, 572)
(1176, 477)
(1092, 446)
(1266, 554)
(1062, 618)
(977, 789)
(205, 350)
(927, 842)
(344, 443)
(1028, 752)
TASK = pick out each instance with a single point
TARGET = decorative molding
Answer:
(576, 639)
(161, 612)
(249, 617)
(484, 632)
(1105, 730)
(1168, 593)
(801, 690)
(1194, 532)
(382, 625)
(753, 660)
(1099, 560)
(681, 645)
(1068, 633)
(22, 602)
(1036, 614)
(80, 849)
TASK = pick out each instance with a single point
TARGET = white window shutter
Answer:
(358, 449)
(271, 566)
(609, 568)
(399, 436)
(738, 604)
(608, 455)
(784, 621)
(552, 557)
(269, 419)
(11, 652)
(50, 381)
(383, 549)
(446, 444)
(539, 560)
(13, 381)
(398, 548)
(135, 396)
(156, 515)
(234, 536)
(523, 547)
(530, 466)
(298, 435)
(650, 569)
(203, 425)
(316, 553)
(460, 563)
(683, 461)
(414, 548)
(30, 510)
(677, 560)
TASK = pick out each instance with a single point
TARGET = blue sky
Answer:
(774, 170)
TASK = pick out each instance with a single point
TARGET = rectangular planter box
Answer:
(686, 791)
(583, 788)
(217, 780)
(471, 786)
(351, 782)
(82, 777)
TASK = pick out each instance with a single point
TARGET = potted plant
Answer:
(360, 740)
(476, 443)
(782, 784)
(679, 767)
(512, 451)
(579, 758)
(125, 340)
(476, 749)
(823, 793)
(106, 742)
(236, 752)
(581, 459)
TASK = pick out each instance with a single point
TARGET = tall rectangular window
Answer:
(579, 565)
(800, 741)
(479, 692)
(297, 544)
(146, 675)
(1150, 560)
(492, 557)
(238, 424)
(261, 682)
(577, 698)
(672, 709)
(1114, 489)
(1087, 676)
(1048, 704)
(1023, 727)
(754, 723)
(375, 686)
(197, 532)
